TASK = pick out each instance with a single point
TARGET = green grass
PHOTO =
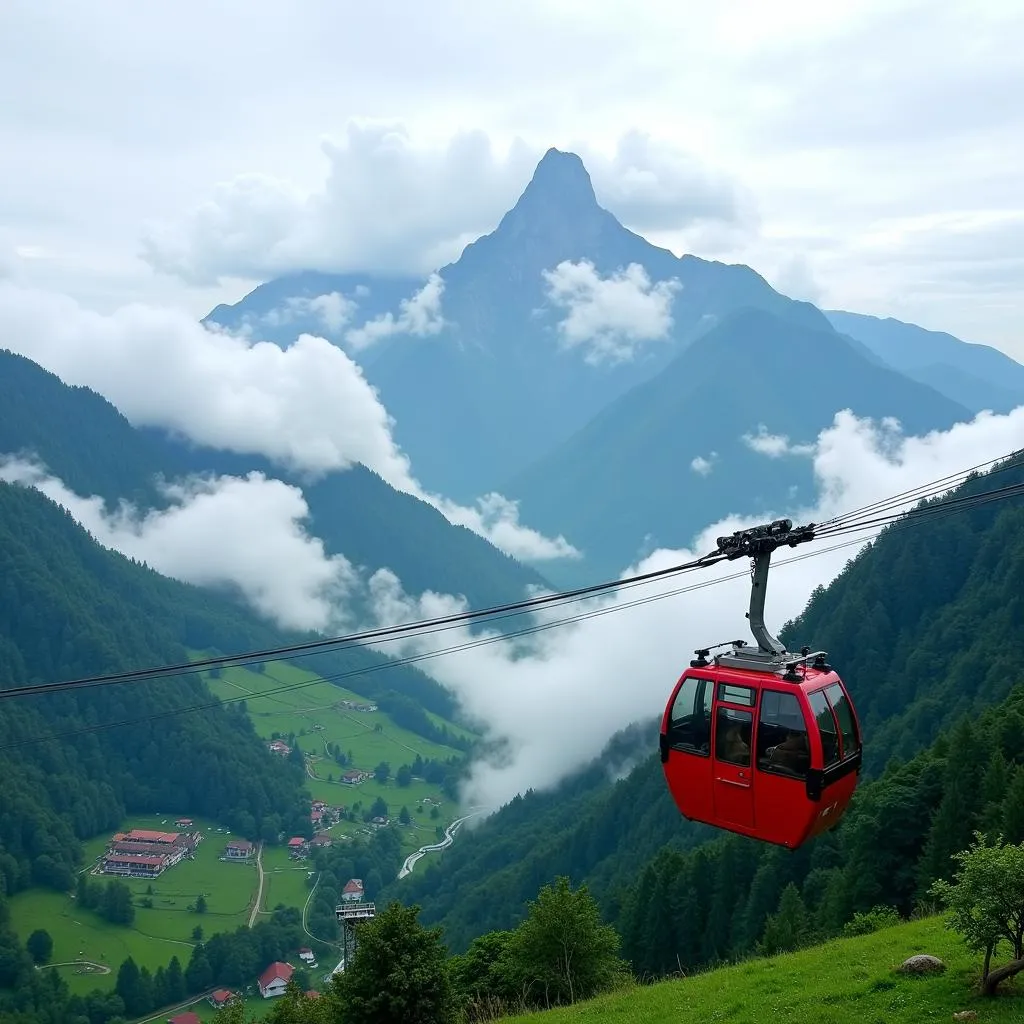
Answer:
(156, 934)
(285, 880)
(847, 981)
(313, 715)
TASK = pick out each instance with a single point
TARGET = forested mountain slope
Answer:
(927, 623)
(924, 626)
(85, 441)
(70, 608)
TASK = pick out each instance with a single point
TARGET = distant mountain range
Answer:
(640, 449)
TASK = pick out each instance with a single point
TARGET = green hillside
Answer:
(846, 981)
(335, 739)
(78, 765)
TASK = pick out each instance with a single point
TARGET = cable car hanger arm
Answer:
(758, 543)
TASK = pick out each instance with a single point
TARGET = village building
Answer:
(353, 776)
(277, 747)
(320, 841)
(188, 1017)
(274, 980)
(144, 853)
(238, 849)
(307, 956)
(297, 847)
(183, 823)
(222, 997)
(353, 891)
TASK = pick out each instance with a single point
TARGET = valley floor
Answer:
(847, 981)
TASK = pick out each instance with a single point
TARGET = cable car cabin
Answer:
(762, 743)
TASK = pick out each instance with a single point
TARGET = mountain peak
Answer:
(559, 201)
(562, 175)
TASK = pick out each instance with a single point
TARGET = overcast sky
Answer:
(866, 155)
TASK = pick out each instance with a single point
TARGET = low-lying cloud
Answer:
(610, 317)
(208, 536)
(419, 316)
(307, 407)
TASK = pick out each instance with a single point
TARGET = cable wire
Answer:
(935, 511)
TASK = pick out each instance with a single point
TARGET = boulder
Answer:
(922, 963)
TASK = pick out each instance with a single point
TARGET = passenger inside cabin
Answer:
(791, 754)
(732, 743)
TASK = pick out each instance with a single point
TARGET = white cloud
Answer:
(601, 673)
(827, 113)
(419, 315)
(307, 407)
(331, 310)
(703, 466)
(387, 205)
(775, 445)
(610, 316)
(208, 536)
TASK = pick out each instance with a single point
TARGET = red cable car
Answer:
(762, 742)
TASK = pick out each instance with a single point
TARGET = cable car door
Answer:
(732, 773)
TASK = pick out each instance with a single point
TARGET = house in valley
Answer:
(274, 980)
(238, 849)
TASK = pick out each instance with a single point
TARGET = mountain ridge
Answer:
(458, 395)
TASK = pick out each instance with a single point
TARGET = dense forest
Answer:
(936, 613)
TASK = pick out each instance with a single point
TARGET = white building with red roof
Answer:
(274, 980)
(353, 891)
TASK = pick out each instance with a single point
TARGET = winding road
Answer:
(449, 838)
(259, 891)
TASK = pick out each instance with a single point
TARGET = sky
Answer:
(865, 154)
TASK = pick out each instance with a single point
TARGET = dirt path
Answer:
(99, 968)
(259, 891)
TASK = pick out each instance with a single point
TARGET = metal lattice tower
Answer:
(350, 916)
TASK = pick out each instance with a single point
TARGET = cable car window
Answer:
(690, 722)
(841, 706)
(826, 726)
(782, 745)
(737, 694)
(732, 736)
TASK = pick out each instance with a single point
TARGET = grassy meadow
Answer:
(313, 712)
(846, 981)
(157, 933)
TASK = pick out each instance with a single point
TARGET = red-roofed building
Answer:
(274, 980)
(222, 997)
(145, 853)
(297, 846)
(188, 1017)
(146, 835)
(353, 891)
(238, 849)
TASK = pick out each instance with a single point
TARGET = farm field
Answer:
(284, 880)
(157, 933)
(314, 714)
